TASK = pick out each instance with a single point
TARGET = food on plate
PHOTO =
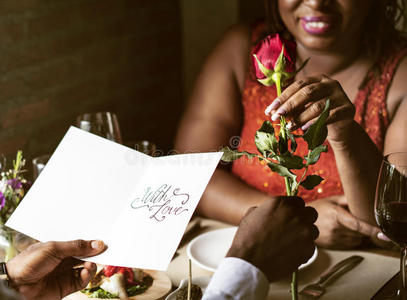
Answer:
(117, 282)
(196, 293)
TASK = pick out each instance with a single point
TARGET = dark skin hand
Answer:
(277, 236)
(45, 271)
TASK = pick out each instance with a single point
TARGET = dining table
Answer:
(362, 282)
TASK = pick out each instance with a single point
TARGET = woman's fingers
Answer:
(304, 100)
(306, 118)
(349, 221)
(289, 92)
(299, 94)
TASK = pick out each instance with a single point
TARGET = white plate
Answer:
(208, 249)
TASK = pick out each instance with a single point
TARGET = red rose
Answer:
(268, 51)
(274, 55)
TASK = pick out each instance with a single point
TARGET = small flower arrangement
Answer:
(12, 185)
(12, 191)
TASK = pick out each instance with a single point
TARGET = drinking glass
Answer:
(391, 208)
(104, 124)
(146, 147)
(39, 164)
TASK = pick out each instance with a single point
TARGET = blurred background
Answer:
(136, 58)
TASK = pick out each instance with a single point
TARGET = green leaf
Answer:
(265, 139)
(293, 141)
(230, 155)
(311, 181)
(315, 154)
(283, 171)
(282, 144)
(266, 72)
(317, 132)
(279, 66)
(290, 161)
(268, 81)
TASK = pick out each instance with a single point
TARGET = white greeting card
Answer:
(93, 188)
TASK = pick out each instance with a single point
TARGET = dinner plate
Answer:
(161, 286)
(208, 249)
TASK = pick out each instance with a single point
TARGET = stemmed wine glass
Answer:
(391, 208)
(104, 124)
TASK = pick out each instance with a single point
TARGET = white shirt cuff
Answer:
(237, 279)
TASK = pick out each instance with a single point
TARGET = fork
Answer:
(315, 290)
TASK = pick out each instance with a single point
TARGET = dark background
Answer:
(61, 58)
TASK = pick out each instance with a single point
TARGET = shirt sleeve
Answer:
(237, 279)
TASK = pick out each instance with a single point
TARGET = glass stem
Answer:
(403, 256)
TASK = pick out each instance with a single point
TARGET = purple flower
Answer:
(2, 200)
(15, 183)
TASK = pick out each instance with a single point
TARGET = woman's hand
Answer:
(338, 228)
(304, 100)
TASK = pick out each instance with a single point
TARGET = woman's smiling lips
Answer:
(317, 25)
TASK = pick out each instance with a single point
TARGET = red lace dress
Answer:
(371, 114)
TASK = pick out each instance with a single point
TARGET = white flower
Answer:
(3, 185)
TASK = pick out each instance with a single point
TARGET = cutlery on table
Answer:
(315, 290)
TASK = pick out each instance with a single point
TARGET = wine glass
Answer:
(104, 124)
(391, 208)
(144, 146)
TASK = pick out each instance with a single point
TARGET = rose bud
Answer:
(274, 60)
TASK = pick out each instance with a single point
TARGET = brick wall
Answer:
(59, 59)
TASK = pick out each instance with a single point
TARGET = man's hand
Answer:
(46, 270)
(277, 236)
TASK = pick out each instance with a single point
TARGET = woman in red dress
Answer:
(357, 61)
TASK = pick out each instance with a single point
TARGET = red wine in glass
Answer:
(391, 208)
(393, 221)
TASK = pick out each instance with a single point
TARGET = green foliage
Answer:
(283, 171)
(317, 132)
(311, 181)
(136, 290)
(265, 139)
(99, 293)
(290, 161)
(230, 155)
(292, 137)
(314, 155)
(280, 158)
(282, 143)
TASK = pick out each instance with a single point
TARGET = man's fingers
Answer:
(348, 220)
(310, 214)
(75, 280)
(76, 248)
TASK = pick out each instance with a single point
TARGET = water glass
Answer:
(104, 124)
